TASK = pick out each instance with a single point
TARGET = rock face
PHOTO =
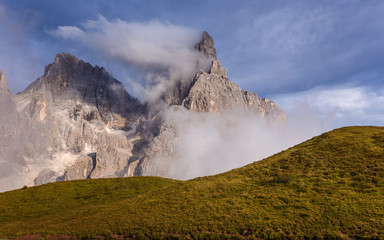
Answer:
(214, 92)
(78, 122)
(3, 84)
(210, 91)
(206, 47)
(11, 160)
(64, 118)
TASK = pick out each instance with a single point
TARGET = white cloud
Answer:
(345, 105)
(352, 99)
(162, 52)
(69, 32)
(208, 143)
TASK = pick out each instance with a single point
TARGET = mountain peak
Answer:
(3, 81)
(68, 61)
(66, 58)
(69, 71)
(206, 45)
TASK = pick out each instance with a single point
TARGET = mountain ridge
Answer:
(77, 121)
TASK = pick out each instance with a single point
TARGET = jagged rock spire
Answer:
(206, 46)
(3, 83)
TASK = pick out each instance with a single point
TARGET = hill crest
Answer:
(331, 186)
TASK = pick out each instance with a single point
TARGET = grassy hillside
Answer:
(331, 186)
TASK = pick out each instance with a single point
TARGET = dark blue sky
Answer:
(323, 56)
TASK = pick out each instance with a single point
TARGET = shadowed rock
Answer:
(206, 47)
(3, 84)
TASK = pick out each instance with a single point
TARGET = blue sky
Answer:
(320, 58)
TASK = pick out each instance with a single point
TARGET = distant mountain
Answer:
(329, 187)
(77, 121)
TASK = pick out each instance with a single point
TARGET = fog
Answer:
(208, 143)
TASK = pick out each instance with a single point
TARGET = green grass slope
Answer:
(331, 186)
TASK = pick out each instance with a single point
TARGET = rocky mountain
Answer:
(77, 121)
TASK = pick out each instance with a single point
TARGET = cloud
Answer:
(208, 143)
(162, 52)
(341, 105)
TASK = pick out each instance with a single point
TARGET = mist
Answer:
(209, 143)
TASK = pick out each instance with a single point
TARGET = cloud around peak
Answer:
(141, 43)
(162, 52)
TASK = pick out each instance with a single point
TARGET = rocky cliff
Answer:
(77, 121)
(74, 122)
(209, 91)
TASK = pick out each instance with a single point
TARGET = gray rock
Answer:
(11, 140)
(46, 175)
(178, 91)
(214, 92)
(82, 168)
(70, 112)
(206, 46)
(160, 153)
(3, 84)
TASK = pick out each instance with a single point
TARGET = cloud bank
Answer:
(338, 105)
(208, 143)
(161, 52)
